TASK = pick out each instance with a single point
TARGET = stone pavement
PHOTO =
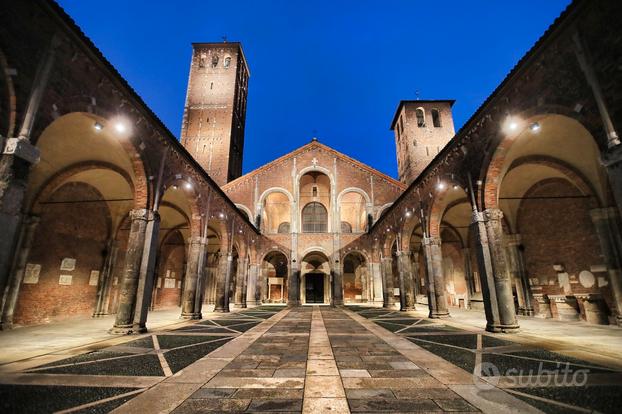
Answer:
(313, 360)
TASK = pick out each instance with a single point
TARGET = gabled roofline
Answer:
(324, 147)
(404, 102)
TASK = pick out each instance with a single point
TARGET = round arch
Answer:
(556, 136)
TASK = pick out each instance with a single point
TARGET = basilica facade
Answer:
(104, 211)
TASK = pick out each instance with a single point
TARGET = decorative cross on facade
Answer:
(314, 162)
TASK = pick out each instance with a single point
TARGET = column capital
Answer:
(493, 214)
(387, 259)
(195, 240)
(144, 214)
(431, 241)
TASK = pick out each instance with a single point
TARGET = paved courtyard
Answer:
(271, 359)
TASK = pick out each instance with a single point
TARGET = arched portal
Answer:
(355, 278)
(276, 274)
(315, 279)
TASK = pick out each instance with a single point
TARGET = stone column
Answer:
(189, 293)
(607, 224)
(18, 154)
(416, 275)
(484, 265)
(230, 279)
(11, 294)
(137, 281)
(405, 278)
(263, 283)
(518, 273)
(293, 288)
(437, 301)
(501, 277)
(387, 282)
(365, 284)
(468, 272)
(377, 283)
(337, 284)
(252, 297)
(105, 280)
(222, 283)
(213, 272)
(240, 284)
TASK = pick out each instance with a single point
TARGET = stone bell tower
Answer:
(215, 112)
(422, 128)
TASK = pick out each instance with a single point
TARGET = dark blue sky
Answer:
(335, 67)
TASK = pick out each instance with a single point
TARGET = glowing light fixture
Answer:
(174, 186)
(188, 186)
(440, 185)
(513, 125)
(221, 215)
(120, 127)
(455, 187)
(535, 127)
(408, 214)
(98, 126)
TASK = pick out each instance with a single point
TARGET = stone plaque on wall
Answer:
(94, 278)
(275, 280)
(65, 280)
(179, 284)
(587, 279)
(159, 283)
(169, 283)
(31, 274)
(68, 264)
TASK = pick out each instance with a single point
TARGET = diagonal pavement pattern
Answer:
(311, 360)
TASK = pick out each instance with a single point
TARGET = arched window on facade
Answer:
(346, 227)
(214, 61)
(283, 227)
(314, 218)
(227, 62)
(436, 118)
(420, 117)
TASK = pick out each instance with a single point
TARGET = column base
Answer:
(6, 326)
(239, 305)
(439, 314)
(100, 314)
(253, 303)
(526, 311)
(408, 309)
(502, 328)
(221, 310)
(127, 330)
(192, 315)
(619, 320)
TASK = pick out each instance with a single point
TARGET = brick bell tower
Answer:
(422, 128)
(215, 112)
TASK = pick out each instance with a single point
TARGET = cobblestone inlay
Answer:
(508, 364)
(101, 380)
(268, 376)
(378, 378)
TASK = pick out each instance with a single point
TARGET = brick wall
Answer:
(558, 231)
(66, 230)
